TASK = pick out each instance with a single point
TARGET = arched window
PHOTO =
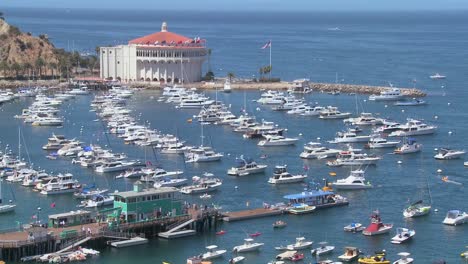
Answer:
(148, 79)
(155, 79)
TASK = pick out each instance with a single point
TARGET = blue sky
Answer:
(226, 5)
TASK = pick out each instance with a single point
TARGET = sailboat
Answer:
(227, 86)
(5, 208)
(202, 153)
(418, 208)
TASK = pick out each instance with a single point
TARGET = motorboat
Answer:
(355, 181)
(354, 227)
(213, 252)
(404, 258)
(332, 112)
(410, 146)
(113, 166)
(55, 142)
(287, 255)
(455, 217)
(97, 201)
(271, 98)
(47, 121)
(227, 87)
(301, 208)
(464, 254)
(413, 128)
(281, 175)
(323, 249)
(393, 94)
(350, 254)
(349, 137)
(414, 102)
(5, 208)
(202, 154)
(274, 140)
(63, 183)
(202, 185)
(205, 196)
(378, 258)
(315, 150)
(249, 245)
(82, 90)
(380, 142)
(446, 154)
(237, 259)
(301, 243)
(87, 193)
(417, 209)
(313, 111)
(297, 257)
(246, 167)
(437, 76)
(403, 235)
(350, 158)
(299, 109)
(169, 182)
(279, 224)
(376, 226)
(387, 127)
(365, 119)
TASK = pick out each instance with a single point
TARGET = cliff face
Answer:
(22, 48)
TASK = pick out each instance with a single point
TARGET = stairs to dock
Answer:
(174, 232)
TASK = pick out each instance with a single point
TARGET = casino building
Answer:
(159, 57)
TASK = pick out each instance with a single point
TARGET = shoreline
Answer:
(317, 87)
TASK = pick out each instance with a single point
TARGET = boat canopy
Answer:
(309, 194)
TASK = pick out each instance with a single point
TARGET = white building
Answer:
(161, 57)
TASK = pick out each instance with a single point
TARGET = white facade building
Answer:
(161, 57)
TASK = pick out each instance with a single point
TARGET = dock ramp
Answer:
(175, 232)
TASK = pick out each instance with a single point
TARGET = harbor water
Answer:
(403, 48)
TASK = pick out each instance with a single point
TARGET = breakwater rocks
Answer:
(321, 87)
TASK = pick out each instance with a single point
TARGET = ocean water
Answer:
(370, 48)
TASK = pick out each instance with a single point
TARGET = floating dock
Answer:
(250, 214)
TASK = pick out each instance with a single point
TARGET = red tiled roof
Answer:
(160, 37)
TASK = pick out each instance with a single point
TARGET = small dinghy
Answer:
(354, 227)
(403, 235)
(297, 257)
(256, 234)
(205, 196)
(279, 224)
(220, 233)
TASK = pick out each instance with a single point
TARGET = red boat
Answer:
(222, 232)
(376, 226)
(256, 234)
(297, 257)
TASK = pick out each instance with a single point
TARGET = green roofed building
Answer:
(148, 203)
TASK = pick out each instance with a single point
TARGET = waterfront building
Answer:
(160, 57)
(71, 218)
(141, 204)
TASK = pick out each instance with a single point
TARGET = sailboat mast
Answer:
(19, 143)
(202, 137)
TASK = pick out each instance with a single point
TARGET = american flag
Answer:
(267, 45)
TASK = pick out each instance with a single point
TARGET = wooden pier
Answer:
(250, 214)
(33, 242)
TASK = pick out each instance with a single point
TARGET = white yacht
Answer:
(301, 243)
(249, 245)
(213, 252)
(410, 146)
(202, 154)
(403, 235)
(113, 166)
(380, 142)
(315, 150)
(349, 137)
(323, 249)
(446, 154)
(354, 181)
(246, 167)
(169, 182)
(313, 111)
(275, 140)
(47, 121)
(404, 258)
(299, 109)
(195, 103)
(413, 128)
(202, 185)
(455, 217)
(281, 175)
(63, 183)
(350, 158)
(365, 119)
(332, 113)
(393, 94)
(227, 86)
(5, 208)
(437, 76)
(271, 98)
(97, 201)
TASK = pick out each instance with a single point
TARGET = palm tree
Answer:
(16, 67)
(27, 68)
(261, 71)
(230, 75)
(53, 67)
(97, 50)
(39, 63)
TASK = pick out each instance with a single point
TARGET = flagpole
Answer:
(270, 60)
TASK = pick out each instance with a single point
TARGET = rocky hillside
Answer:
(23, 48)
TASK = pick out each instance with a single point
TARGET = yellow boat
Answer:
(378, 258)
